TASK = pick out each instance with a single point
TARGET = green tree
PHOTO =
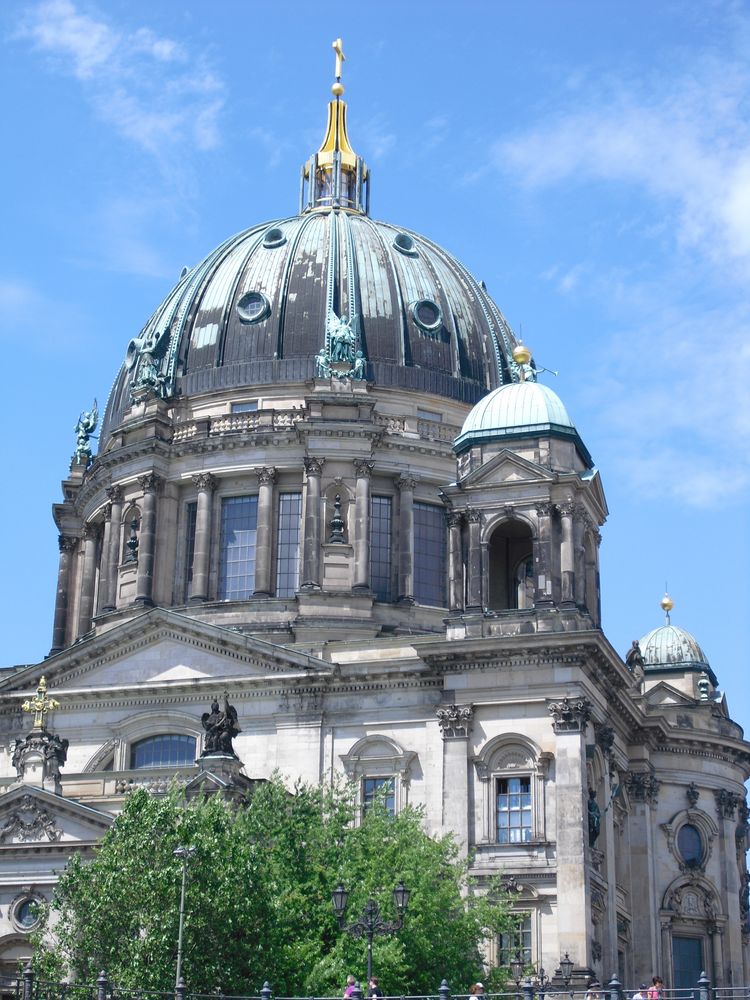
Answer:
(259, 898)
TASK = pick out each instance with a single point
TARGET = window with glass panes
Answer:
(429, 554)
(516, 942)
(381, 789)
(191, 512)
(239, 523)
(287, 557)
(381, 511)
(513, 810)
(167, 750)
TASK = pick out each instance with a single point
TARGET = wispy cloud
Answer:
(683, 140)
(144, 85)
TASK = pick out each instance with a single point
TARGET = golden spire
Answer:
(666, 604)
(40, 705)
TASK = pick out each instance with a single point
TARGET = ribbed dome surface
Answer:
(457, 346)
(671, 646)
(513, 409)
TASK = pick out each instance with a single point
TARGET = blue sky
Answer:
(589, 161)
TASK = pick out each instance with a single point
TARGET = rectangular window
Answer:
(517, 942)
(381, 789)
(239, 523)
(380, 547)
(191, 512)
(429, 415)
(513, 810)
(249, 406)
(429, 554)
(287, 559)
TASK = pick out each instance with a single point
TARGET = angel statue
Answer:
(84, 430)
(221, 728)
(342, 338)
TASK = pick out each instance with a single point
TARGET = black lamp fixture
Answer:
(400, 897)
(516, 968)
(370, 922)
(339, 898)
(566, 969)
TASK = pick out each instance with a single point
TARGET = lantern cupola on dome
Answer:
(335, 176)
(670, 649)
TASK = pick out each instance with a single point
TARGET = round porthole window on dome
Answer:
(273, 237)
(427, 315)
(405, 244)
(690, 845)
(253, 307)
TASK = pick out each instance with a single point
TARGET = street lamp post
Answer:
(565, 970)
(184, 853)
(371, 922)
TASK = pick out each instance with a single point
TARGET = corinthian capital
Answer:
(314, 466)
(204, 481)
(455, 721)
(150, 483)
(114, 493)
(363, 468)
(569, 715)
(406, 482)
(266, 476)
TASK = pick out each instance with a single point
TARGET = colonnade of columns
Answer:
(569, 576)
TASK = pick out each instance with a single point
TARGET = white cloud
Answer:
(142, 84)
(684, 141)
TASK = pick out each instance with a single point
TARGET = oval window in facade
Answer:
(690, 845)
(26, 913)
(253, 307)
(405, 244)
(274, 237)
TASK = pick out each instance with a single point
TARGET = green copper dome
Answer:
(670, 648)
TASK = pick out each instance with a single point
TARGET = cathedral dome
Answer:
(518, 409)
(672, 647)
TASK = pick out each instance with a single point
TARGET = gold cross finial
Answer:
(40, 705)
(338, 47)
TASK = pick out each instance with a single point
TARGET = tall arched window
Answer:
(511, 567)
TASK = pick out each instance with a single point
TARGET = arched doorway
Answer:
(511, 567)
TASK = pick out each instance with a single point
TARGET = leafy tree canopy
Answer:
(259, 898)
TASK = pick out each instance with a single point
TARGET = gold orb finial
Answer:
(521, 354)
(337, 89)
(666, 604)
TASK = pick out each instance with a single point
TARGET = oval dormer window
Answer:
(274, 237)
(253, 307)
(427, 315)
(405, 244)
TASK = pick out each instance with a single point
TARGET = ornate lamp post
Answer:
(184, 853)
(565, 970)
(371, 922)
(516, 968)
(542, 981)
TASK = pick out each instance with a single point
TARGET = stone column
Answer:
(363, 471)
(567, 555)
(86, 603)
(206, 485)
(144, 583)
(731, 964)
(455, 727)
(406, 485)
(311, 545)
(579, 553)
(650, 949)
(67, 545)
(543, 556)
(101, 599)
(569, 718)
(264, 533)
(455, 561)
(474, 583)
(111, 557)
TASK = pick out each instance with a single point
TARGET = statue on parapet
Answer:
(221, 728)
(84, 431)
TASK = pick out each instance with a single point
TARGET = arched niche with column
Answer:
(508, 539)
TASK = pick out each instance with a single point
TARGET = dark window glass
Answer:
(191, 512)
(287, 559)
(239, 522)
(27, 913)
(513, 810)
(429, 554)
(690, 844)
(380, 547)
(249, 406)
(253, 307)
(167, 750)
(517, 942)
(382, 789)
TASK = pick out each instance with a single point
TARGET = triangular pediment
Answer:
(31, 816)
(160, 647)
(594, 481)
(665, 695)
(507, 467)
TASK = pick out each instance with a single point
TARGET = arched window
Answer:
(512, 772)
(164, 750)
(511, 567)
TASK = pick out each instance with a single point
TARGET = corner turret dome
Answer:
(523, 409)
(670, 647)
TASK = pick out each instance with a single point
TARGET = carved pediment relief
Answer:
(28, 822)
(30, 815)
